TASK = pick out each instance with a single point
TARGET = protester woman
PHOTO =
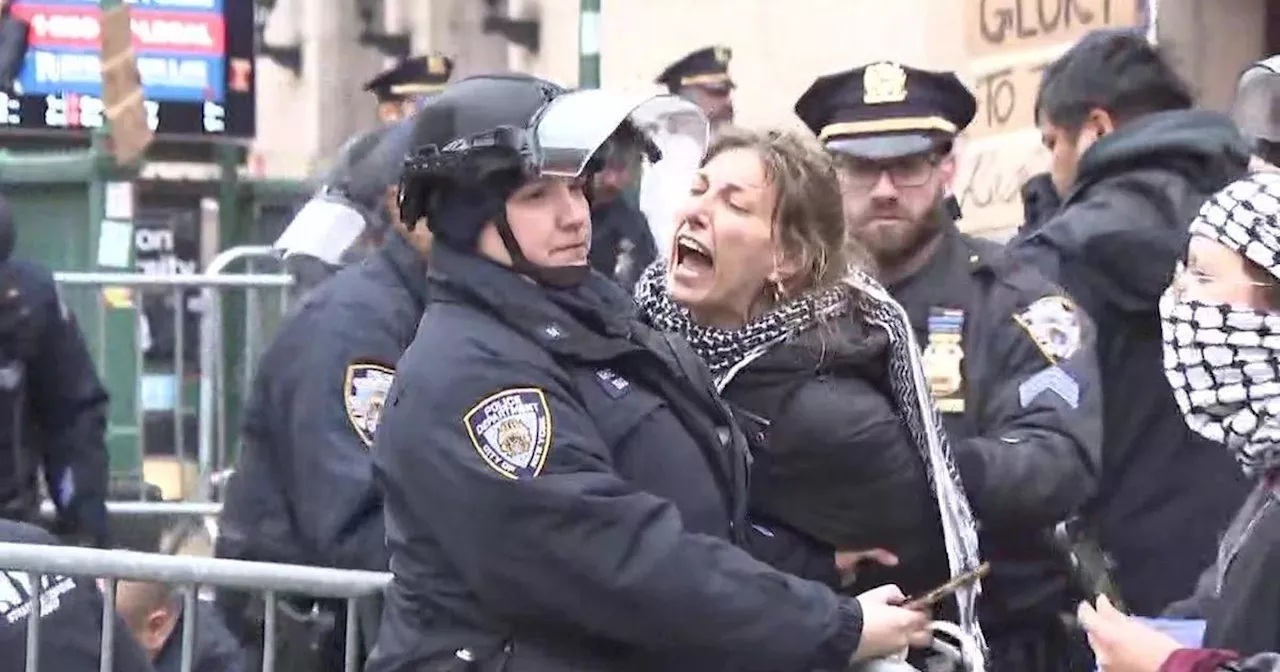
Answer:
(820, 367)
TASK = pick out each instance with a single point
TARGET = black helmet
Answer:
(367, 166)
(483, 137)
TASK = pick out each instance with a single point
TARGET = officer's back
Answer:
(70, 620)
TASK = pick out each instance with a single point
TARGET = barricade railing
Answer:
(173, 299)
(191, 573)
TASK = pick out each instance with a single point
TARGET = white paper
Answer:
(115, 241)
(119, 200)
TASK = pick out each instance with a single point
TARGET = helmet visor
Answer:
(574, 126)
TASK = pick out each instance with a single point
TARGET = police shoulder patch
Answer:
(511, 430)
(364, 393)
(1053, 323)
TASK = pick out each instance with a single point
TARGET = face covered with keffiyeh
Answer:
(1221, 324)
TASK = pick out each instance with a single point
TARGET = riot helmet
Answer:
(1256, 108)
(483, 138)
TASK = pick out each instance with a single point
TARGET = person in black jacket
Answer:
(563, 486)
(154, 613)
(52, 403)
(1134, 164)
(758, 286)
(70, 617)
(1009, 358)
(303, 489)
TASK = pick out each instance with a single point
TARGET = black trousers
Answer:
(1048, 645)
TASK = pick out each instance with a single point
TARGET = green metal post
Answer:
(589, 44)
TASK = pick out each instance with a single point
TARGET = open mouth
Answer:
(692, 255)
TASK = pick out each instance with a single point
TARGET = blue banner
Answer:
(178, 77)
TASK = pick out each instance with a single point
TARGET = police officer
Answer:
(701, 77)
(1008, 357)
(52, 403)
(563, 487)
(1256, 108)
(303, 491)
(350, 214)
(399, 87)
(70, 616)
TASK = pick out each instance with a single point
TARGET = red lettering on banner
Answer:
(77, 27)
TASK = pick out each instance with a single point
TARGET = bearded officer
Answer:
(400, 88)
(303, 491)
(1009, 358)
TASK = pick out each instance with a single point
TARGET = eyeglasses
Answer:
(911, 171)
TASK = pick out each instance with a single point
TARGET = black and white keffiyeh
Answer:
(729, 351)
(1223, 361)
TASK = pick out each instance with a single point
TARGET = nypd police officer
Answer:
(349, 216)
(52, 403)
(303, 490)
(562, 487)
(1009, 358)
(400, 88)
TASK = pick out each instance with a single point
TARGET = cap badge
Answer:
(884, 82)
(436, 66)
(722, 55)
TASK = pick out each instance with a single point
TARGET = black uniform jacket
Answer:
(70, 617)
(1011, 362)
(54, 408)
(833, 461)
(303, 490)
(563, 482)
(1166, 494)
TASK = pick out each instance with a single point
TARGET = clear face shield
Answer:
(1256, 109)
(575, 128)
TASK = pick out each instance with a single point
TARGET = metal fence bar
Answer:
(106, 650)
(143, 280)
(135, 508)
(240, 574)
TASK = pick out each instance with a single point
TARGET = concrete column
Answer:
(1192, 33)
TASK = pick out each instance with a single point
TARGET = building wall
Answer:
(778, 50)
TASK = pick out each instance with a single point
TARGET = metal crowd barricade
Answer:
(270, 579)
(127, 290)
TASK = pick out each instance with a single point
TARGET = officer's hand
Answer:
(1121, 643)
(888, 629)
(847, 562)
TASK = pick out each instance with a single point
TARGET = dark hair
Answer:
(1115, 70)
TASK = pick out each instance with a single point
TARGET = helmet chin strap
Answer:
(560, 277)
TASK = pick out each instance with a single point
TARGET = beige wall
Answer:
(779, 48)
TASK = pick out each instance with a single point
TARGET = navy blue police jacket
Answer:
(70, 617)
(1011, 361)
(303, 491)
(53, 408)
(563, 489)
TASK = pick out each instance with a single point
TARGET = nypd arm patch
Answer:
(1053, 323)
(511, 431)
(364, 395)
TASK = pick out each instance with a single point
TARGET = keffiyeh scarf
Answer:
(1223, 361)
(728, 351)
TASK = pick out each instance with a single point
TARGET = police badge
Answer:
(1053, 323)
(943, 359)
(364, 394)
(511, 431)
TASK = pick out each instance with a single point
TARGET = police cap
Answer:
(885, 110)
(411, 77)
(707, 67)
